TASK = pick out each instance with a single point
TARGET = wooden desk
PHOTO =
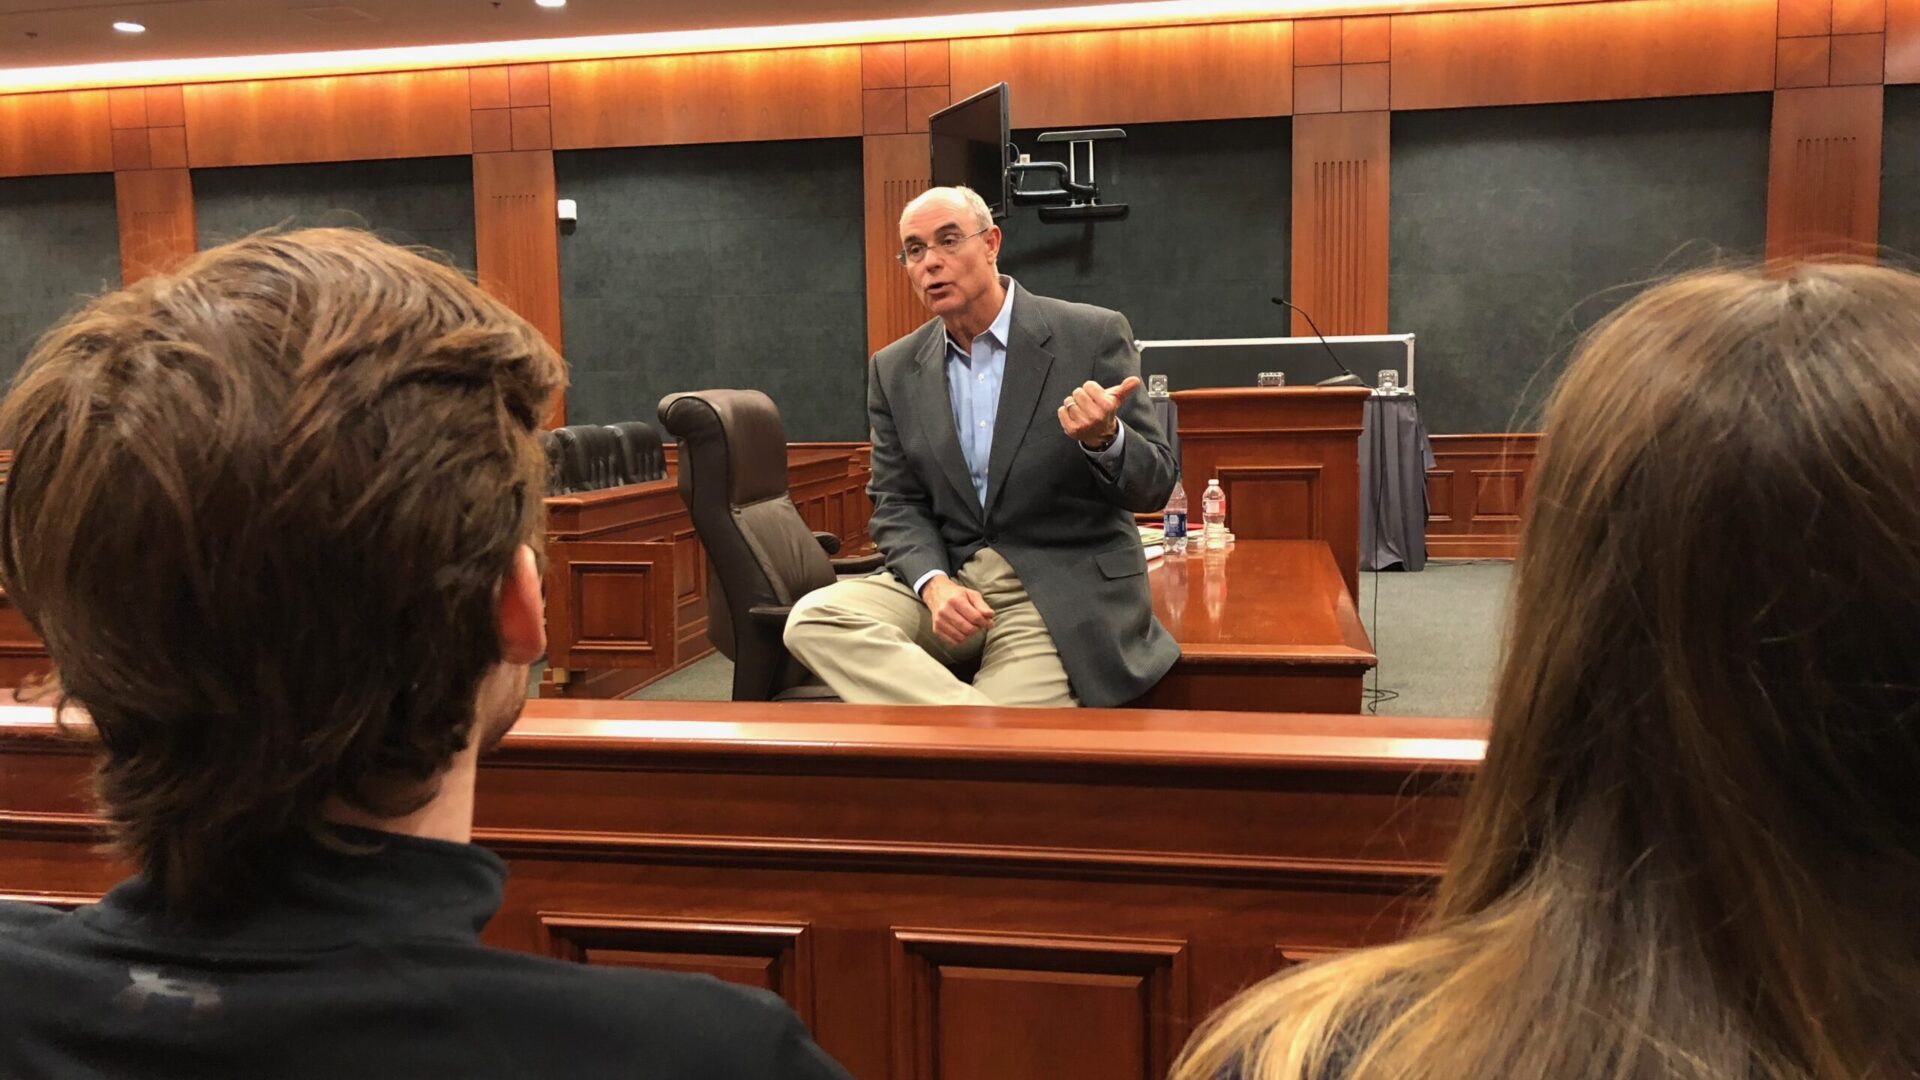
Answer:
(1016, 894)
(1266, 625)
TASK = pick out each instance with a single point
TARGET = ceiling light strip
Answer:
(730, 39)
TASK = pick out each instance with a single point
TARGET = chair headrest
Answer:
(741, 428)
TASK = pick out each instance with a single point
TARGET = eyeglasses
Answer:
(915, 251)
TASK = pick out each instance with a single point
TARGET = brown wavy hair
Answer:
(1694, 848)
(260, 510)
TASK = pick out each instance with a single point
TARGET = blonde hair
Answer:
(1693, 850)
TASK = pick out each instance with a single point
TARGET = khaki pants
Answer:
(872, 641)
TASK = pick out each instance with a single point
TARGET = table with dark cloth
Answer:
(1394, 458)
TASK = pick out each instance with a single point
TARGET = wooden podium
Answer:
(1288, 458)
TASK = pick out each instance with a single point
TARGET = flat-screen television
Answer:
(970, 146)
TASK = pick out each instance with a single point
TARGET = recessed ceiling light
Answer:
(551, 3)
(130, 27)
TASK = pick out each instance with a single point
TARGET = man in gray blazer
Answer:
(1009, 455)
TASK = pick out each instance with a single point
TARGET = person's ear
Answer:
(522, 611)
(994, 236)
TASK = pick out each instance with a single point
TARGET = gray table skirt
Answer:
(1395, 455)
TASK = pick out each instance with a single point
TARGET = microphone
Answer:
(1349, 379)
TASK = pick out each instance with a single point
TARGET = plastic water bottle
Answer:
(1174, 521)
(1213, 514)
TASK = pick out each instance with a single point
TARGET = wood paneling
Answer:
(1316, 89)
(1857, 59)
(517, 239)
(131, 149)
(1802, 61)
(883, 112)
(333, 118)
(1011, 858)
(883, 65)
(166, 106)
(714, 97)
(528, 86)
(1135, 76)
(532, 128)
(775, 958)
(1477, 494)
(156, 220)
(610, 604)
(929, 63)
(1316, 42)
(489, 88)
(167, 147)
(895, 170)
(1859, 16)
(1058, 1006)
(1365, 39)
(1364, 87)
(1803, 18)
(127, 108)
(1903, 41)
(1823, 182)
(1582, 52)
(46, 134)
(492, 130)
(923, 102)
(1339, 230)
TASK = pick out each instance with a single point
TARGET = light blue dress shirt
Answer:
(974, 377)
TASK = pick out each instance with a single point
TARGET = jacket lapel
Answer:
(1028, 362)
(934, 405)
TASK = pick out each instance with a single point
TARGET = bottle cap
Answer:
(1213, 480)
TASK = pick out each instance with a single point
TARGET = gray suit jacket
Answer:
(1066, 528)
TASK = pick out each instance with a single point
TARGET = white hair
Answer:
(964, 198)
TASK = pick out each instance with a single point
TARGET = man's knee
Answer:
(808, 617)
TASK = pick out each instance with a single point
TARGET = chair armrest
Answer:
(770, 614)
(858, 564)
(829, 542)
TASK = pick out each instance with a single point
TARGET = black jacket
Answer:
(362, 967)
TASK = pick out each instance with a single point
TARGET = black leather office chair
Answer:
(761, 556)
(550, 445)
(589, 457)
(642, 457)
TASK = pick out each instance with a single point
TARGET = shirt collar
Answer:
(385, 885)
(1002, 323)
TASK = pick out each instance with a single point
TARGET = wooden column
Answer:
(516, 232)
(1903, 41)
(1340, 221)
(901, 84)
(150, 180)
(517, 239)
(1823, 180)
(896, 168)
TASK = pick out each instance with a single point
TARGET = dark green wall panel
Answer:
(59, 244)
(734, 265)
(1900, 177)
(1515, 229)
(1206, 243)
(425, 201)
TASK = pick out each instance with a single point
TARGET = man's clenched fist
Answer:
(958, 612)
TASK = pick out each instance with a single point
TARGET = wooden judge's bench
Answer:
(968, 894)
